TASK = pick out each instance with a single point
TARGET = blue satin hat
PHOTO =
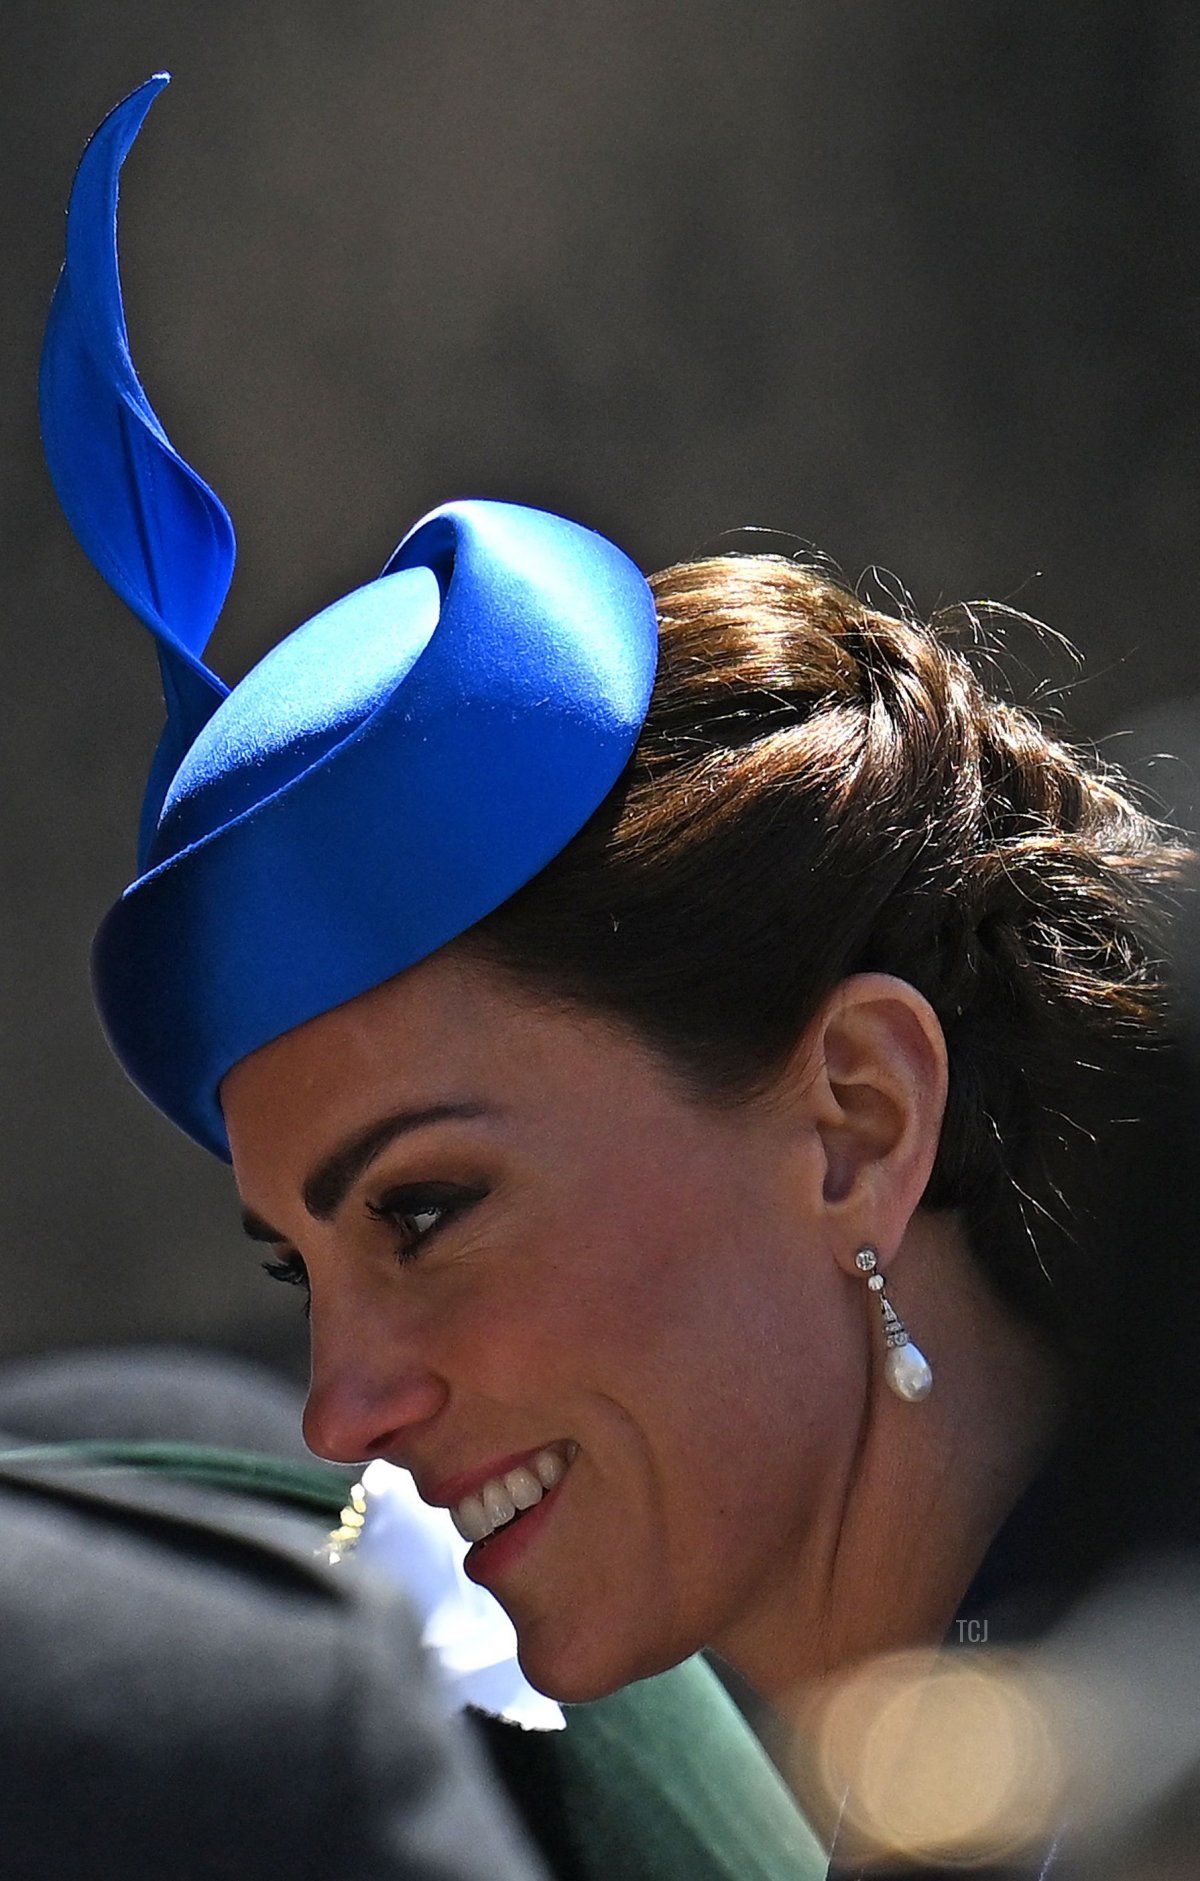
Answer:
(389, 774)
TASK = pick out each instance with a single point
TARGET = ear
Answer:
(877, 1076)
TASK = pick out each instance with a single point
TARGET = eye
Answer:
(420, 1211)
(291, 1270)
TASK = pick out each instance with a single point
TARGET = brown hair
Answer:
(819, 790)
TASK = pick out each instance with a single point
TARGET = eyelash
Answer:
(291, 1270)
(399, 1209)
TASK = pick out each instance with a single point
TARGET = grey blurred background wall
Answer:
(915, 283)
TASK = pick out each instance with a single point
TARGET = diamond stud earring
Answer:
(906, 1368)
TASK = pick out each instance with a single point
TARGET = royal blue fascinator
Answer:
(391, 772)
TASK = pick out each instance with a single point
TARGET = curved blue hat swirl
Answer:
(150, 525)
(389, 774)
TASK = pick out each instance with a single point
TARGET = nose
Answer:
(367, 1395)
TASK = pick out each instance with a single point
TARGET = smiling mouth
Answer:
(504, 1499)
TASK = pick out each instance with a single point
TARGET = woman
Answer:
(623, 1063)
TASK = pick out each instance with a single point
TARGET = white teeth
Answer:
(523, 1486)
(498, 1505)
(476, 1517)
(548, 1467)
(470, 1519)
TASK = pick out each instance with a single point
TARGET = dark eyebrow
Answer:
(330, 1182)
(260, 1230)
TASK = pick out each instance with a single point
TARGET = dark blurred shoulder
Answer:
(190, 1692)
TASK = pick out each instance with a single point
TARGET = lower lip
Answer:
(487, 1560)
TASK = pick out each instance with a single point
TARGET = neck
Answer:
(922, 1492)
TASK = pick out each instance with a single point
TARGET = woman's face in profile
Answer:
(524, 1239)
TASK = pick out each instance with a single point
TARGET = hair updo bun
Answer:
(821, 790)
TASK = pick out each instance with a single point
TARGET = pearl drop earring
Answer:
(906, 1368)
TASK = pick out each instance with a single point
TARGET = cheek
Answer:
(678, 1298)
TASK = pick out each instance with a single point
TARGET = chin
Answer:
(588, 1665)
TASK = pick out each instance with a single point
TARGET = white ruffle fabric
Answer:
(463, 1627)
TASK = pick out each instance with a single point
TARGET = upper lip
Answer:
(449, 1491)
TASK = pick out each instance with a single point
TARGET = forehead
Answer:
(449, 1031)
